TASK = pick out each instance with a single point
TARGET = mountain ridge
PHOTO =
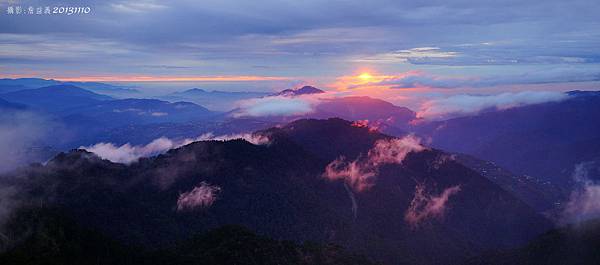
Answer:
(305, 90)
(55, 98)
(278, 189)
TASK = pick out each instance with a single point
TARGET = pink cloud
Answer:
(424, 206)
(277, 106)
(360, 173)
(584, 201)
(201, 196)
(358, 176)
(372, 126)
(395, 150)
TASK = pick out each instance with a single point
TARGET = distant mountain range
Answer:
(139, 111)
(11, 85)
(345, 182)
(379, 113)
(202, 92)
(214, 100)
(544, 141)
(372, 112)
(9, 106)
(54, 98)
(305, 90)
(225, 100)
(70, 102)
(541, 194)
(533, 160)
(279, 190)
(88, 115)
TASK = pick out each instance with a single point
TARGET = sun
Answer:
(365, 76)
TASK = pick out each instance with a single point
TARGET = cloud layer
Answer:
(128, 154)
(19, 132)
(264, 38)
(276, 106)
(419, 78)
(468, 104)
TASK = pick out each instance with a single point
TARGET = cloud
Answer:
(420, 79)
(423, 79)
(257, 139)
(44, 48)
(425, 206)
(20, 131)
(233, 36)
(372, 126)
(584, 202)
(128, 153)
(394, 151)
(202, 196)
(159, 114)
(137, 6)
(276, 106)
(360, 173)
(348, 83)
(471, 104)
(410, 55)
(353, 173)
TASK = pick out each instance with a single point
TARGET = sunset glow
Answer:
(370, 80)
(241, 132)
(242, 78)
(365, 76)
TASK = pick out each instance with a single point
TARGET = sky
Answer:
(392, 47)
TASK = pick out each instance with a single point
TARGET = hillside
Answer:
(424, 208)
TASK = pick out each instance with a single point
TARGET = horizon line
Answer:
(146, 78)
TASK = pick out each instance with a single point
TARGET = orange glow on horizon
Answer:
(366, 79)
(363, 79)
(175, 78)
(365, 76)
(240, 78)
